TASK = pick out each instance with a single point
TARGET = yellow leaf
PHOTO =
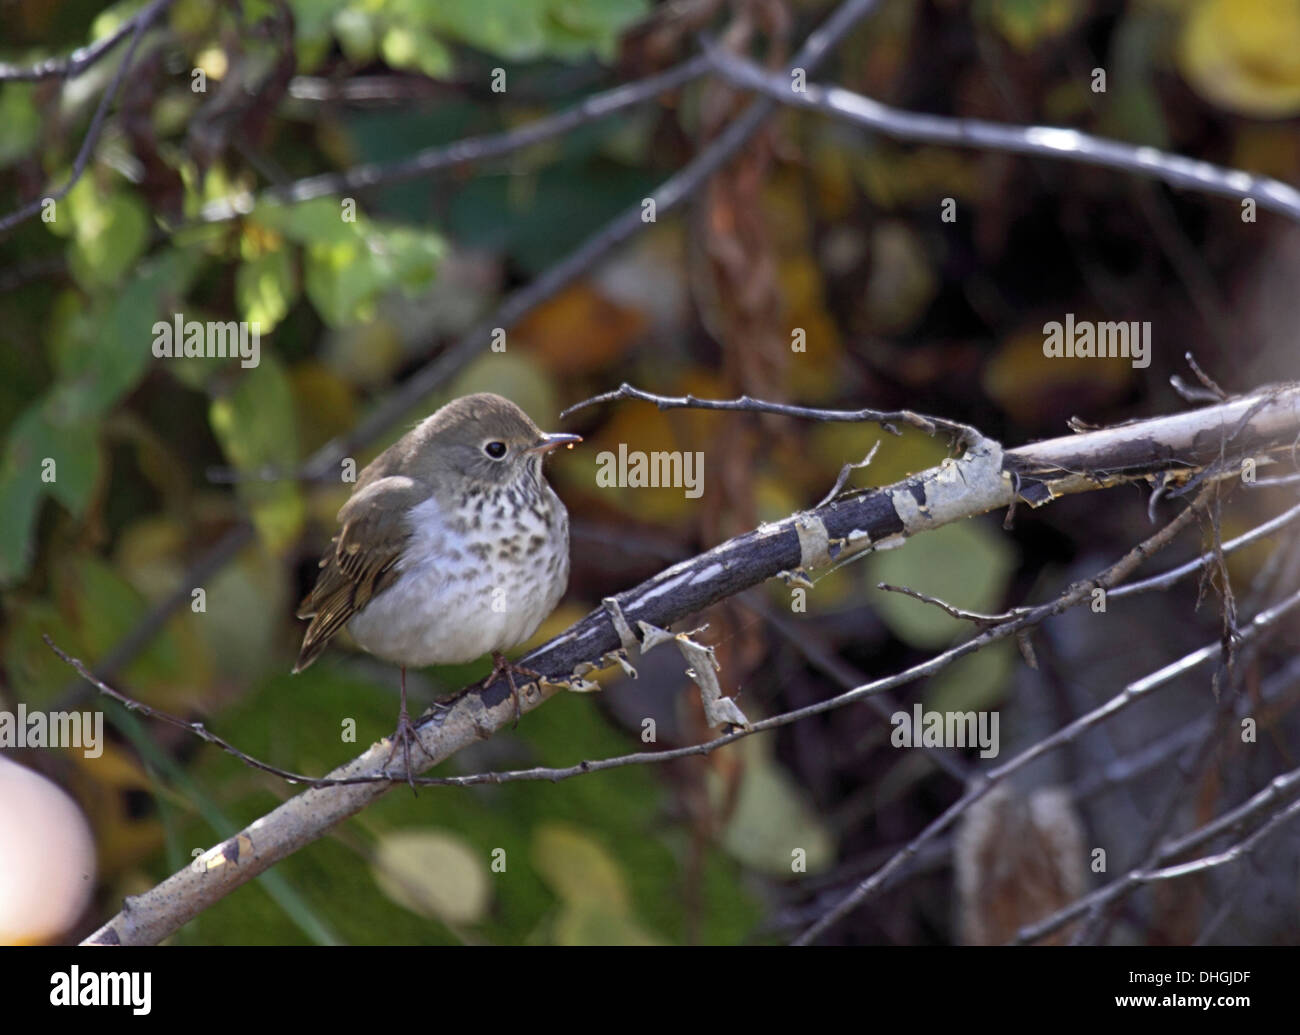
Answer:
(579, 331)
(433, 873)
(1244, 55)
(773, 820)
(326, 406)
(1032, 387)
(578, 869)
(584, 923)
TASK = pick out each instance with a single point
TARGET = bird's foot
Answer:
(402, 737)
(501, 665)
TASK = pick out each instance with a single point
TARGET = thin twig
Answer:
(672, 193)
(887, 419)
(1072, 597)
(846, 470)
(72, 65)
(1041, 141)
(1130, 693)
(467, 151)
(1168, 578)
(981, 620)
(1280, 788)
(197, 728)
(824, 659)
(141, 26)
(1206, 380)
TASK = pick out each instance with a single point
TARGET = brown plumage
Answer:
(451, 547)
(440, 458)
(359, 563)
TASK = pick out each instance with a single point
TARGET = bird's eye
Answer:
(496, 450)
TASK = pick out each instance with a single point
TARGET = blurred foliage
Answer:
(120, 467)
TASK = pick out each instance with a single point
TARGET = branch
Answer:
(1278, 692)
(885, 418)
(1168, 578)
(954, 490)
(1279, 790)
(83, 57)
(1131, 693)
(1039, 141)
(140, 24)
(464, 152)
(672, 193)
(1178, 447)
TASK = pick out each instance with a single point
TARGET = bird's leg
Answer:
(501, 665)
(404, 734)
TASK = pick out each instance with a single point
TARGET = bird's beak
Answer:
(548, 442)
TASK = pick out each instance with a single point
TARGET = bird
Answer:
(451, 546)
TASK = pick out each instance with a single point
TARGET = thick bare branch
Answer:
(675, 191)
(977, 482)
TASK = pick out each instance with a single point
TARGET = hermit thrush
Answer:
(451, 546)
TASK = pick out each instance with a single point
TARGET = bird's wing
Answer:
(360, 561)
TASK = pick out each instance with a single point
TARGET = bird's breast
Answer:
(477, 574)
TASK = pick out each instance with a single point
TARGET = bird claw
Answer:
(501, 665)
(403, 736)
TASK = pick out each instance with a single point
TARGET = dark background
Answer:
(814, 225)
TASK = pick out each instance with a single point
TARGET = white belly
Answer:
(456, 598)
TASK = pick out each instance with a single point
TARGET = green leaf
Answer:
(106, 604)
(586, 924)
(96, 608)
(963, 564)
(349, 265)
(403, 257)
(77, 463)
(975, 682)
(29, 663)
(595, 905)
(20, 124)
(94, 378)
(98, 360)
(319, 221)
(355, 31)
(265, 289)
(405, 47)
(20, 495)
(43, 455)
(507, 28)
(245, 602)
(256, 429)
(345, 280)
(577, 868)
(109, 235)
(576, 27)
(339, 282)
